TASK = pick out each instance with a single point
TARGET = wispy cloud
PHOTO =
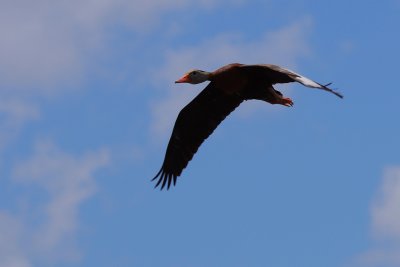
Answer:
(283, 46)
(386, 207)
(11, 242)
(48, 47)
(16, 112)
(45, 43)
(65, 181)
(385, 215)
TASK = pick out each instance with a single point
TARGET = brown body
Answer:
(232, 79)
(229, 79)
(229, 86)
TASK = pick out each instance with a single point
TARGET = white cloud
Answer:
(38, 46)
(385, 215)
(45, 43)
(11, 242)
(386, 207)
(47, 47)
(64, 182)
(284, 46)
(379, 257)
(16, 112)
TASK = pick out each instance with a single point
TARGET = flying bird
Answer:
(229, 86)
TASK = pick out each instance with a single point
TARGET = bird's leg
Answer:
(286, 101)
(280, 99)
(269, 95)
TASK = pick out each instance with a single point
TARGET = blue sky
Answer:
(87, 105)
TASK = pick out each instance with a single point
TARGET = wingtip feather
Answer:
(158, 174)
(159, 181)
(165, 178)
(326, 88)
(169, 181)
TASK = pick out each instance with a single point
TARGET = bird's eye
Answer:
(194, 73)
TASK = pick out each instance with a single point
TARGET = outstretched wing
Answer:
(275, 74)
(194, 124)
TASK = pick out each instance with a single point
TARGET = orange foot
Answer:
(287, 102)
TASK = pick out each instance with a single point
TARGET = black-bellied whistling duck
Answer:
(229, 86)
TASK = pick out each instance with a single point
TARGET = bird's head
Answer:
(194, 77)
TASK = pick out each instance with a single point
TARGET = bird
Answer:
(229, 86)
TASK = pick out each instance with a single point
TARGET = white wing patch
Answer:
(304, 80)
(310, 83)
(307, 82)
